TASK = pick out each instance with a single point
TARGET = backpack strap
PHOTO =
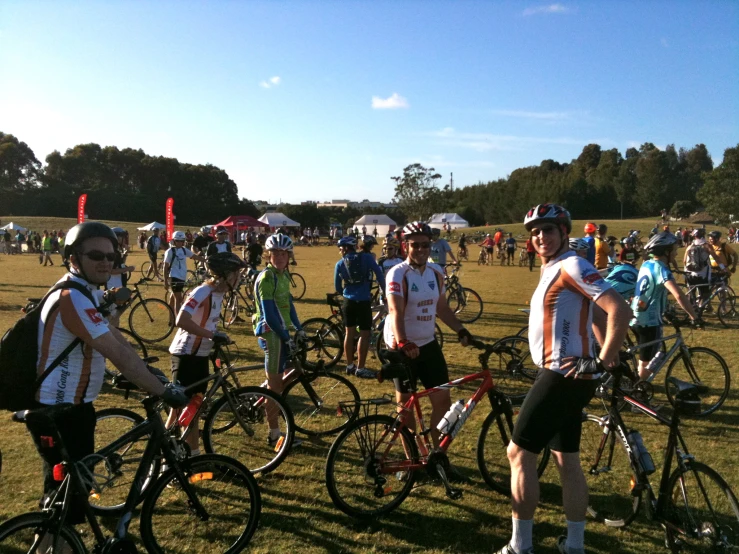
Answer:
(65, 285)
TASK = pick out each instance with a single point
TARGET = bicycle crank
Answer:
(438, 467)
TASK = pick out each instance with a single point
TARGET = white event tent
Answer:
(277, 219)
(151, 226)
(454, 221)
(13, 227)
(383, 223)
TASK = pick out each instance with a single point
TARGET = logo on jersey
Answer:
(590, 277)
(192, 303)
(393, 287)
(414, 288)
(432, 285)
(95, 316)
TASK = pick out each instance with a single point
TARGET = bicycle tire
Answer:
(325, 342)
(251, 447)
(297, 286)
(609, 484)
(339, 404)
(353, 468)
(713, 526)
(230, 310)
(514, 371)
(136, 343)
(728, 312)
(492, 448)
(466, 304)
(19, 534)
(709, 368)
(523, 332)
(110, 425)
(169, 522)
(145, 267)
(191, 281)
(151, 320)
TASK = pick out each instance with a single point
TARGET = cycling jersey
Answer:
(650, 300)
(602, 251)
(497, 237)
(561, 316)
(510, 243)
(628, 255)
(357, 291)
(176, 257)
(623, 279)
(421, 293)
(386, 264)
(67, 315)
(217, 247)
(439, 249)
(720, 255)
(591, 249)
(204, 306)
(274, 306)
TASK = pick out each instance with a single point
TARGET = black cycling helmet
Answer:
(223, 263)
(118, 230)
(87, 230)
(435, 232)
(369, 239)
(715, 235)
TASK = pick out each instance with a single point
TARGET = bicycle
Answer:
(462, 254)
(146, 267)
(728, 312)
(464, 302)
(719, 290)
(369, 472)
(150, 319)
(694, 505)
(297, 285)
(208, 503)
(523, 258)
(694, 364)
(234, 301)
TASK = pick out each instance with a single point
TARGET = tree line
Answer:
(128, 184)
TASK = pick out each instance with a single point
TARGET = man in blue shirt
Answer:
(353, 279)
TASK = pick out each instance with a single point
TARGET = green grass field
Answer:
(298, 514)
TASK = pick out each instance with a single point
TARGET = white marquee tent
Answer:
(277, 219)
(151, 226)
(455, 221)
(383, 223)
(13, 227)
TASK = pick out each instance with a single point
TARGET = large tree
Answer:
(417, 194)
(19, 170)
(719, 193)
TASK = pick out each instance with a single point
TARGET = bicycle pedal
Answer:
(454, 494)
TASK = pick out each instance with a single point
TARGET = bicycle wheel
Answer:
(513, 370)
(145, 267)
(229, 495)
(191, 281)
(248, 439)
(466, 304)
(137, 344)
(151, 320)
(704, 366)
(523, 332)
(121, 465)
(297, 286)
(608, 472)
(316, 403)
(492, 456)
(702, 512)
(230, 310)
(364, 468)
(25, 533)
(325, 342)
(728, 312)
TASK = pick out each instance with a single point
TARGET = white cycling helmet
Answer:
(579, 244)
(179, 235)
(660, 242)
(417, 228)
(278, 242)
(547, 213)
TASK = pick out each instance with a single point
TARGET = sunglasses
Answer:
(97, 256)
(420, 245)
(548, 230)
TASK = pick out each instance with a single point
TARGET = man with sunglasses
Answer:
(571, 308)
(415, 296)
(74, 340)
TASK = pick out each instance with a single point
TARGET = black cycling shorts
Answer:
(76, 428)
(357, 313)
(153, 257)
(191, 369)
(648, 334)
(178, 285)
(489, 249)
(551, 414)
(430, 367)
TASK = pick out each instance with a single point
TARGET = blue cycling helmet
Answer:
(348, 241)
(623, 279)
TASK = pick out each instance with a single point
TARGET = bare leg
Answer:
(363, 347)
(524, 482)
(440, 404)
(574, 486)
(349, 334)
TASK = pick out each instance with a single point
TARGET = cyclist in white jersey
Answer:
(415, 294)
(71, 315)
(571, 301)
(119, 266)
(175, 268)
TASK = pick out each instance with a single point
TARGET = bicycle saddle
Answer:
(686, 390)
(43, 414)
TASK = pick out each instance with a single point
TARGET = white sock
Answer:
(274, 434)
(195, 452)
(522, 538)
(575, 534)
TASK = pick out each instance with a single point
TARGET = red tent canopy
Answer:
(240, 221)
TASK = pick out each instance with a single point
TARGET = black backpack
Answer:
(19, 355)
(355, 273)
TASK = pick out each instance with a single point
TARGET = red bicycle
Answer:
(369, 472)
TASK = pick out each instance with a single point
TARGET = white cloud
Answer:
(271, 82)
(545, 116)
(664, 43)
(394, 102)
(551, 8)
(487, 142)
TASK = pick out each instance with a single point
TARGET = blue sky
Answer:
(319, 100)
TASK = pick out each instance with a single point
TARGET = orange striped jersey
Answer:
(66, 315)
(204, 306)
(561, 316)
